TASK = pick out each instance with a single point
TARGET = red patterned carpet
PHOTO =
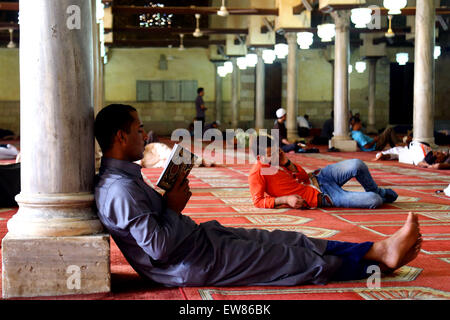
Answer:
(222, 193)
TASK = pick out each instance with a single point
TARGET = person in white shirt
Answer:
(414, 153)
(303, 125)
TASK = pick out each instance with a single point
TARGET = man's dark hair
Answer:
(430, 158)
(356, 120)
(259, 144)
(111, 119)
(200, 90)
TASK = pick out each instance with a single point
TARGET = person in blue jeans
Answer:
(292, 186)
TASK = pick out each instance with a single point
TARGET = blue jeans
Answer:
(333, 177)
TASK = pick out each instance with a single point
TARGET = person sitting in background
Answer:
(285, 144)
(303, 126)
(366, 143)
(327, 132)
(291, 186)
(436, 160)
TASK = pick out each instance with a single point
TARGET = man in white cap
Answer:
(285, 144)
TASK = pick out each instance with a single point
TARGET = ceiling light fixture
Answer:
(11, 44)
(228, 66)
(223, 12)
(252, 60)
(360, 66)
(437, 52)
(394, 6)
(222, 71)
(326, 31)
(402, 58)
(361, 17)
(281, 50)
(268, 56)
(197, 33)
(181, 48)
(241, 63)
(389, 33)
(305, 39)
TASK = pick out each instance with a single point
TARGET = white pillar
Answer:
(341, 139)
(372, 89)
(218, 96)
(423, 123)
(235, 95)
(291, 88)
(56, 221)
(260, 92)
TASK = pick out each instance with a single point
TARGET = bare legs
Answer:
(400, 248)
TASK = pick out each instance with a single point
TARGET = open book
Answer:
(180, 162)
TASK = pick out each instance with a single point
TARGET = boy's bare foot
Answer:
(400, 248)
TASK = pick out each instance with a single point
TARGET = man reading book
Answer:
(166, 246)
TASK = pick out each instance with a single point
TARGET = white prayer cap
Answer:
(280, 113)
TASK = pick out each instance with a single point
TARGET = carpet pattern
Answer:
(222, 193)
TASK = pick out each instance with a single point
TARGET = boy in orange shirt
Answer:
(290, 185)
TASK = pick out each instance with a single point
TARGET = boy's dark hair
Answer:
(259, 144)
(356, 120)
(200, 90)
(111, 119)
(430, 158)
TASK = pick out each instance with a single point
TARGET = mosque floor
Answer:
(222, 193)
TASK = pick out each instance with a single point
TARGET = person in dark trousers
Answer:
(166, 246)
(200, 106)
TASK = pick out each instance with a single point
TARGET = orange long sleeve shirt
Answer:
(265, 188)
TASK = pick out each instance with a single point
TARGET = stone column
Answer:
(218, 96)
(56, 233)
(260, 92)
(423, 122)
(97, 76)
(341, 139)
(372, 89)
(291, 88)
(235, 95)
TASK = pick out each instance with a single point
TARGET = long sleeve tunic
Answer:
(171, 249)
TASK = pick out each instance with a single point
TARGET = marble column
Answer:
(56, 226)
(423, 122)
(218, 96)
(235, 95)
(341, 139)
(97, 76)
(291, 88)
(372, 90)
(260, 92)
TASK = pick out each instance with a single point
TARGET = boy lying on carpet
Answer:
(291, 186)
(169, 248)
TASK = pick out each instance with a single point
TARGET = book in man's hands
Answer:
(180, 162)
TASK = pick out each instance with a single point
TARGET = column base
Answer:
(346, 145)
(55, 266)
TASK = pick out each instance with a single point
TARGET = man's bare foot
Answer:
(400, 248)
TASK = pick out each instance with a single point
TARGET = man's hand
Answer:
(293, 201)
(177, 197)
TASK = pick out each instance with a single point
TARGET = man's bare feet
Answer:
(400, 248)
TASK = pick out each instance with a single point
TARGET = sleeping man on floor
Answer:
(291, 186)
(167, 247)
